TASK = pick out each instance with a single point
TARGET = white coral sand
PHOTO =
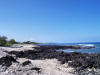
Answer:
(47, 67)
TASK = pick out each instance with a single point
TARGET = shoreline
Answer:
(64, 47)
(80, 63)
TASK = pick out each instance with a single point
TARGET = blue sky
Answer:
(51, 20)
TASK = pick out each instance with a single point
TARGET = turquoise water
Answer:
(93, 50)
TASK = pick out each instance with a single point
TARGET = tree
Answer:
(3, 40)
(29, 42)
(11, 42)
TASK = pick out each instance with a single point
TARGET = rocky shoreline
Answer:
(57, 47)
(36, 60)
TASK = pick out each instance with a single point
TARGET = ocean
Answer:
(92, 50)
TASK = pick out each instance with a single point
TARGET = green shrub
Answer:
(29, 42)
(11, 42)
(3, 40)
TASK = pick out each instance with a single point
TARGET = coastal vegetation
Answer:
(5, 42)
(29, 42)
(11, 42)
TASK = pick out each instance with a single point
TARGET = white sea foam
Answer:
(87, 45)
